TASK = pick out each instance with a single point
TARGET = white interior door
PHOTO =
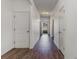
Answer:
(21, 30)
(61, 34)
(56, 32)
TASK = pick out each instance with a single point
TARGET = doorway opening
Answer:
(45, 25)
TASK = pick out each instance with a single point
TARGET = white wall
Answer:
(55, 14)
(7, 13)
(68, 41)
(8, 7)
(34, 25)
(71, 29)
(25, 5)
(51, 27)
(21, 5)
(68, 24)
(6, 26)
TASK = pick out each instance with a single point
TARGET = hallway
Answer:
(44, 49)
(38, 29)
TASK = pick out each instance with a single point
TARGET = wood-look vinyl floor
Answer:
(30, 54)
(16, 53)
(45, 48)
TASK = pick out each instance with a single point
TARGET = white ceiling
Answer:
(45, 5)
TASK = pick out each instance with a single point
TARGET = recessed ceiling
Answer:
(45, 5)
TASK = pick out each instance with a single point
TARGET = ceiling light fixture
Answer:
(45, 13)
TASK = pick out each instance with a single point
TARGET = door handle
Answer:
(60, 32)
(28, 31)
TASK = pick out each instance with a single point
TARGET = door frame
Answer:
(49, 26)
(53, 29)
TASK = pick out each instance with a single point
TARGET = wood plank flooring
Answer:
(44, 49)
(16, 53)
(30, 54)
